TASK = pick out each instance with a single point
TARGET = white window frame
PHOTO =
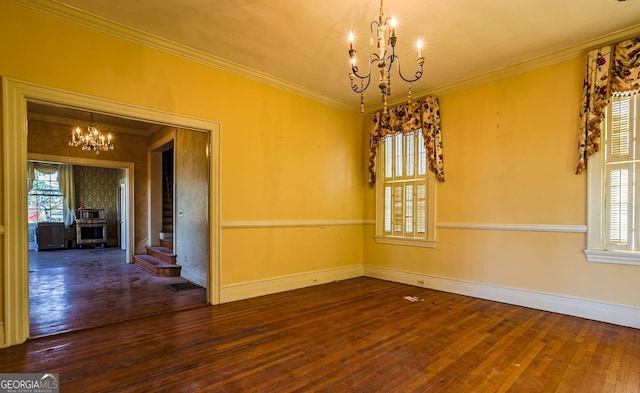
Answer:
(49, 193)
(429, 240)
(596, 223)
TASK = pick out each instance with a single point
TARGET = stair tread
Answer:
(157, 266)
(155, 261)
(168, 243)
(162, 250)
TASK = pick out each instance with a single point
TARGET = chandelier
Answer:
(92, 139)
(383, 32)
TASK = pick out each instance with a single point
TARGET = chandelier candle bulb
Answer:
(419, 46)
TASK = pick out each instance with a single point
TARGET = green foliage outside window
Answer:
(45, 200)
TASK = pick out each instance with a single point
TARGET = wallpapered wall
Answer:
(97, 188)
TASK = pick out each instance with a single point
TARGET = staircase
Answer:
(159, 260)
(167, 195)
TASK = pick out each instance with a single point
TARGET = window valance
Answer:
(613, 69)
(421, 115)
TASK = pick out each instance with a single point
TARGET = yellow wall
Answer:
(510, 155)
(283, 157)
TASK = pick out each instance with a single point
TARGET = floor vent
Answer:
(183, 286)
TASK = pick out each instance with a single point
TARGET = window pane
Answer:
(620, 136)
(399, 153)
(397, 210)
(388, 157)
(421, 206)
(422, 155)
(45, 199)
(410, 144)
(387, 209)
(618, 206)
(408, 209)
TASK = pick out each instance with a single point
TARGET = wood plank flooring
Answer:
(76, 289)
(358, 335)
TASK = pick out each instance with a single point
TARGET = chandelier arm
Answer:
(363, 87)
(354, 68)
(371, 26)
(362, 78)
(417, 75)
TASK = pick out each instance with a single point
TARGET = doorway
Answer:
(179, 204)
(16, 94)
(123, 206)
(96, 194)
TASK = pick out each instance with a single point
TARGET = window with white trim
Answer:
(45, 199)
(405, 192)
(614, 187)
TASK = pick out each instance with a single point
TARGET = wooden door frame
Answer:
(14, 327)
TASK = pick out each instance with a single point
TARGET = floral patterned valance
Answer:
(611, 69)
(420, 115)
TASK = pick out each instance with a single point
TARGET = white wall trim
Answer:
(249, 289)
(489, 226)
(228, 224)
(614, 257)
(493, 226)
(584, 308)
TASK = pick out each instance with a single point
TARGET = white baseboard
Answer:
(249, 289)
(583, 308)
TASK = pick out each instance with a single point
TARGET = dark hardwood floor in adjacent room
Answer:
(83, 288)
(358, 335)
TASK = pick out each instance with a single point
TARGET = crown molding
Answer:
(63, 11)
(524, 66)
(53, 7)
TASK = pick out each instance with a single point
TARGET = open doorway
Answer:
(15, 279)
(100, 192)
(179, 211)
(76, 206)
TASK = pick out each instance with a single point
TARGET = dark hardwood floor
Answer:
(358, 335)
(82, 288)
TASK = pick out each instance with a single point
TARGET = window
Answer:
(614, 187)
(45, 199)
(405, 192)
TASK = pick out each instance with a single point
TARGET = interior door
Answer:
(122, 215)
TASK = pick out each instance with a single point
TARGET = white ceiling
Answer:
(304, 42)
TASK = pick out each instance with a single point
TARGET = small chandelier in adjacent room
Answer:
(383, 36)
(91, 139)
